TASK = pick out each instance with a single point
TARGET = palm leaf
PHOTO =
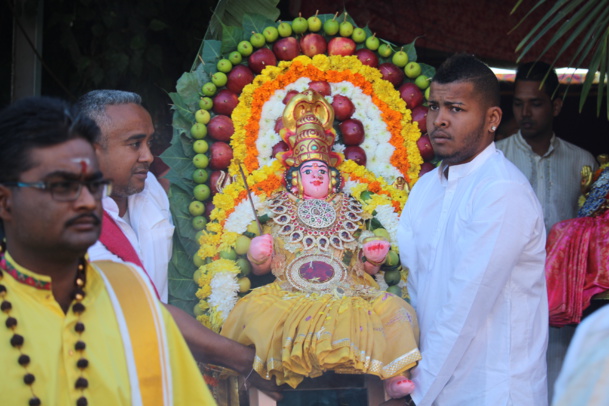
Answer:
(581, 28)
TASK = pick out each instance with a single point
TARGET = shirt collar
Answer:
(456, 172)
(521, 142)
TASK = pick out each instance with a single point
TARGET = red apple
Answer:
(220, 155)
(425, 148)
(357, 154)
(213, 180)
(411, 94)
(419, 116)
(239, 77)
(392, 73)
(343, 107)
(367, 57)
(220, 128)
(313, 44)
(352, 131)
(225, 102)
(321, 86)
(426, 167)
(261, 59)
(289, 96)
(286, 49)
(341, 46)
(209, 206)
(278, 125)
(281, 146)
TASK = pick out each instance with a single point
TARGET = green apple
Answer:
(200, 146)
(314, 22)
(197, 310)
(224, 65)
(235, 58)
(427, 93)
(346, 28)
(202, 192)
(412, 69)
(200, 161)
(359, 35)
(245, 48)
(228, 254)
(381, 232)
(202, 116)
(242, 245)
(257, 40)
(244, 284)
(196, 208)
(422, 82)
(206, 103)
(392, 258)
(199, 222)
(393, 277)
(395, 289)
(198, 261)
(198, 131)
(300, 24)
(270, 33)
(253, 228)
(385, 50)
(400, 58)
(200, 175)
(244, 265)
(219, 78)
(373, 43)
(209, 89)
(284, 29)
(331, 27)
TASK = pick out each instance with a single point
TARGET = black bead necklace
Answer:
(17, 340)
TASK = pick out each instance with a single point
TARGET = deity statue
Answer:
(324, 311)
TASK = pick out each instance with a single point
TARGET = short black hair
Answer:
(94, 103)
(536, 72)
(36, 122)
(468, 68)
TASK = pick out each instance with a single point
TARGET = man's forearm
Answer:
(209, 347)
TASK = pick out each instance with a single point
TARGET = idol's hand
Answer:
(260, 253)
(376, 251)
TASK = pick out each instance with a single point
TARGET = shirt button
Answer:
(71, 352)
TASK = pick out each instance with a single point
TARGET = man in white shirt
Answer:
(473, 238)
(137, 224)
(552, 165)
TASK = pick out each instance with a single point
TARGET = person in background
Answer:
(473, 238)
(551, 164)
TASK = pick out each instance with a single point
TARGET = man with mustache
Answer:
(472, 237)
(552, 166)
(137, 225)
(76, 332)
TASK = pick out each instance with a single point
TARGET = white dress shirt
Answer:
(555, 176)
(475, 247)
(149, 229)
(584, 379)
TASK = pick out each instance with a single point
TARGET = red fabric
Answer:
(117, 243)
(577, 266)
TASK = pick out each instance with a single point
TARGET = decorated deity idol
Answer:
(324, 311)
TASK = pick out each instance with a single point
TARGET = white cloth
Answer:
(584, 378)
(555, 176)
(150, 231)
(475, 247)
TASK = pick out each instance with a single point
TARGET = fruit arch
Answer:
(226, 123)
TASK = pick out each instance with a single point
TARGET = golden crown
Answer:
(307, 121)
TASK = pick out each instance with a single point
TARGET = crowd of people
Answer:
(87, 238)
